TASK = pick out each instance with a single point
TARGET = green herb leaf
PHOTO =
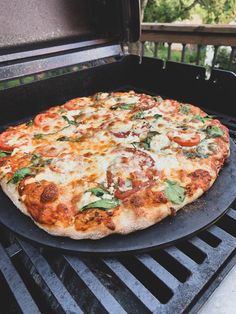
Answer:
(158, 98)
(203, 119)
(214, 131)
(39, 135)
(174, 192)
(97, 191)
(183, 127)
(38, 161)
(147, 141)
(97, 96)
(20, 174)
(102, 204)
(195, 154)
(114, 107)
(70, 122)
(138, 115)
(4, 153)
(29, 123)
(68, 139)
(185, 109)
(127, 106)
(157, 116)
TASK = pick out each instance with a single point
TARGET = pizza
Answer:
(110, 163)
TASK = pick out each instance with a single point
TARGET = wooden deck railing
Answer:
(200, 35)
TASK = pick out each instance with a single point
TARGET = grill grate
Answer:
(173, 280)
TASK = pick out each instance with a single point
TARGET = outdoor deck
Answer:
(199, 35)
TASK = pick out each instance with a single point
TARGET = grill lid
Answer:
(30, 25)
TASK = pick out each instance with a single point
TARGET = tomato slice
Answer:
(7, 136)
(184, 138)
(169, 106)
(77, 103)
(42, 118)
(146, 102)
(122, 175)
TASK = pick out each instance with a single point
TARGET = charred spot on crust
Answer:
(137, 201)
(50, 193)
(173, 211)
(110, 225)
(200, 178)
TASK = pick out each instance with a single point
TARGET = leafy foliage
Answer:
(211, 11)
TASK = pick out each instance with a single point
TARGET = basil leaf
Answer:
(193, 155)
(138, 115)
(183, 127)
(114, 107)
(135, 144)
(157, 116)
(97, 96)
(70, 122)
(158, 98)
(214, 131)
(68, 139)
(97, 191)
(174, 192)
(29, 123)
(39, 135)
(102, 204)
(185, 109)
(203, 119)
(127, 106)
(147, 141)
(4, 153)
(20, 174)
(38, 161)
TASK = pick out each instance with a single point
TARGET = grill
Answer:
(174, 280)
(177, 279)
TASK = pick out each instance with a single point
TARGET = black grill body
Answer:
(177, 279)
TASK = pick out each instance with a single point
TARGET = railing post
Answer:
(199, 47)
(169, 51)
(156, 50)
(214, 57)
(142, 48)
(183, 53)
(233, 49)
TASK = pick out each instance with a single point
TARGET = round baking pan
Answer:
(188, 221)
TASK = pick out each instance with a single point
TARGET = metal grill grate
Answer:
(173, 280)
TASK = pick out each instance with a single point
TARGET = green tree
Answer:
(212, 11)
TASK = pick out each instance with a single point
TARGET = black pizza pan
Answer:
(192, 219)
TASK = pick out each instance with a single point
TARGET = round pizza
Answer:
(110, 163)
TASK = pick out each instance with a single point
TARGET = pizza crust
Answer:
(125, 223)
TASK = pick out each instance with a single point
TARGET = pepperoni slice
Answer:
(184, 138)
(146, 102)
(11, 139)
(130, 171)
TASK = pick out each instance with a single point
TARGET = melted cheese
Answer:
(159, 142)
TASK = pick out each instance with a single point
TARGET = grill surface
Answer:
(173, 280)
